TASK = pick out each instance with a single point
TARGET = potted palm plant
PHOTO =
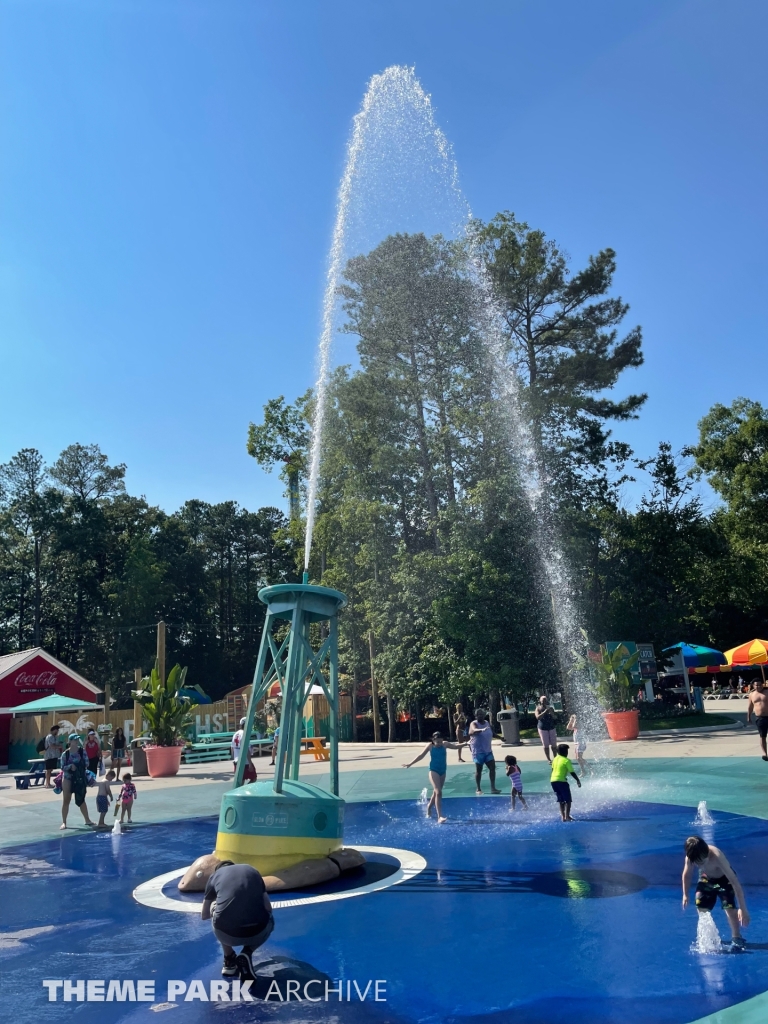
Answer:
(168, 714)
(611, 679)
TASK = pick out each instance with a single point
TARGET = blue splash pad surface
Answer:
(517, 918)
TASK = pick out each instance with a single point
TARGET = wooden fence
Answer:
(209, 718)
(28, 729)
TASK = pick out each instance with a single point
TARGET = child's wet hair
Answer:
(510, 759)
(110, 774)
(127, 777)
(562, 749)
(696, 849)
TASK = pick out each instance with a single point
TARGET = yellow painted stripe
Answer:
(271, 853)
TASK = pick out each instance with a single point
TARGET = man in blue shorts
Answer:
(480, 739)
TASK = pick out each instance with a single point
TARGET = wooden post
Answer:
(687, 681)
(374, 694)
(333, 678)
(161, 650)
(354, 704)
(137, 719)
(392, 716)
(107, 699)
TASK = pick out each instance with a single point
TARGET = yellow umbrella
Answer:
(754, 652)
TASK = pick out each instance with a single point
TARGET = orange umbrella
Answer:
(754, 652)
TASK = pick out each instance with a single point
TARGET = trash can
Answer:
(698, 700)
(510, 727)
(138, 759)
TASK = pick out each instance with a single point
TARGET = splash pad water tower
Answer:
(274, 825)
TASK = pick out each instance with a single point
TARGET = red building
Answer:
(30, 675)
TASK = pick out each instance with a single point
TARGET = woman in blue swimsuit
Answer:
(437, 749)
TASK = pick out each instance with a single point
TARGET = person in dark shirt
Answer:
(237, 905)
(547, 726)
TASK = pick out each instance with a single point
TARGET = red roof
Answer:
(31, 674)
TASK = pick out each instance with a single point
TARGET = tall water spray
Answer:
(400, 175)
(393, 132)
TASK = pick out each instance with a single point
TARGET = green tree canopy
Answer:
(733, 454)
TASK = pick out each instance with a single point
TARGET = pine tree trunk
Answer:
(447, 453)
(421, 432)
(391, 715)
(22, 589)
(354, 692)
(38, 591)
(419, 722)
(493, 704)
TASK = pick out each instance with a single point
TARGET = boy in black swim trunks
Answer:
(717, 879)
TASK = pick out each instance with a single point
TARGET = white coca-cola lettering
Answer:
(38, 680)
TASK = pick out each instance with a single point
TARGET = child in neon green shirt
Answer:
(561, 769)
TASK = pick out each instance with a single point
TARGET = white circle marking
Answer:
(150, 894)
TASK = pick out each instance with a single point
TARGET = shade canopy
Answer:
(44, 705)
(696, 656)
(753, 652)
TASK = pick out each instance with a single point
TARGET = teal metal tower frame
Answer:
(296, 666)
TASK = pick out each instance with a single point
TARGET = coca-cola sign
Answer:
(30, 682)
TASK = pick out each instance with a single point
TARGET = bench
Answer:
(200, 753)
(23, 781)
(215, 750)
(210, 739)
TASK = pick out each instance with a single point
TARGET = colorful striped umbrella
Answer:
(696, 656)
(754, 652)
(696, 659)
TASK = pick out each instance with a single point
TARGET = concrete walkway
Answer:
(725, 767)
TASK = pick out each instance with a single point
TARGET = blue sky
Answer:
(168, 171)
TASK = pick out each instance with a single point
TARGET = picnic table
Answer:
(34, 776)
(314, 745)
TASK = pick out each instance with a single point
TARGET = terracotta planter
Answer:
(622, 725)
(163, 761)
